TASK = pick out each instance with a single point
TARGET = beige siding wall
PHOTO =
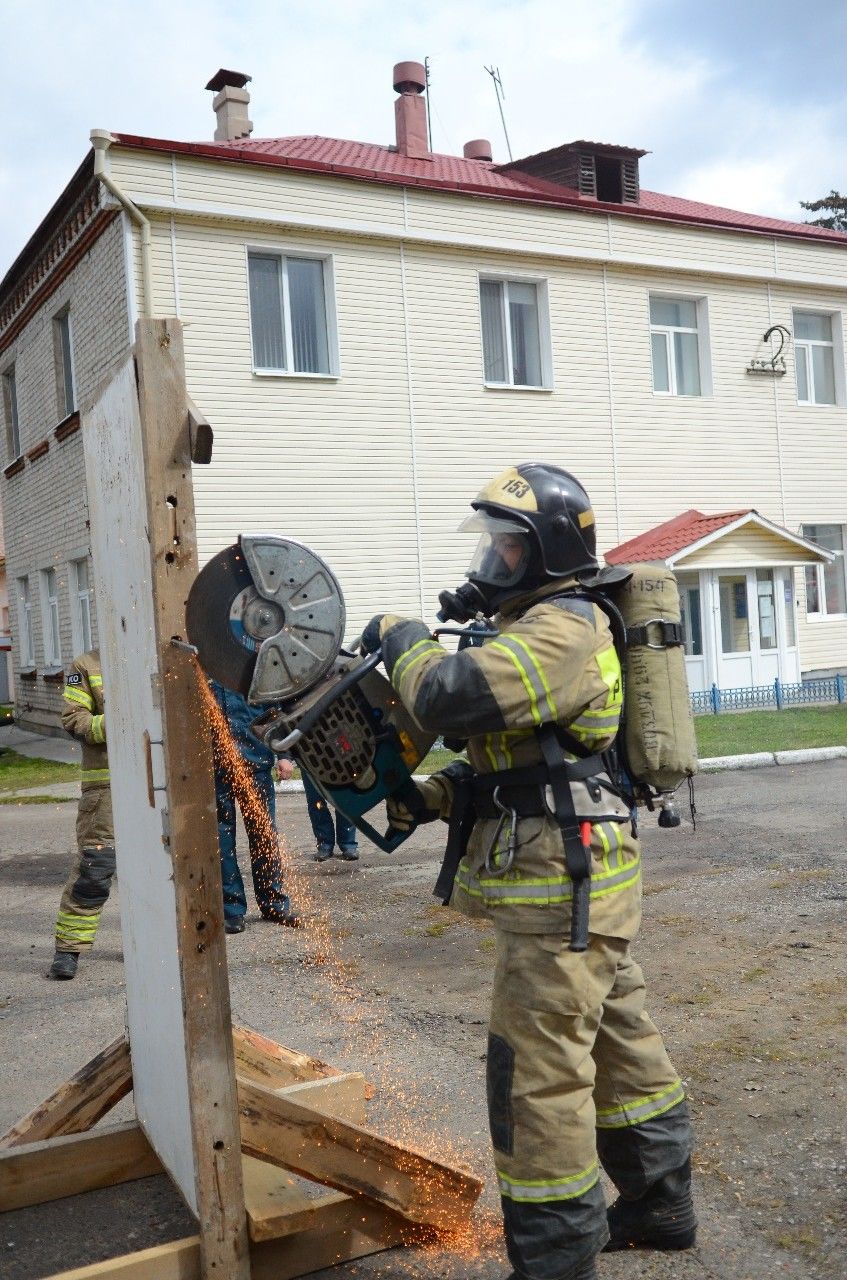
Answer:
(331, 460)
(746, 548)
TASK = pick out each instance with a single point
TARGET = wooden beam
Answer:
(265, 1062)
(57, 1167)
(191, 823)
(351, 1158)
(278, 1204)
(80, 1102)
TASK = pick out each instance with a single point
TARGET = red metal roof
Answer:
(372, 163)
(666, 539)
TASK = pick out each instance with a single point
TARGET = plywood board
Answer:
(131, 681)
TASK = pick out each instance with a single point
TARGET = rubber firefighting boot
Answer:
(663, 1218)
(586, 1270)
(64, 965)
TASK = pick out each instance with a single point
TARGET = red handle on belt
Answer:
(585, 834)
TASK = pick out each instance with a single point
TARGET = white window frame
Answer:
(544, 337)
(80, 606)
(330, 310)
(50, 620)
(704, 350)
(26, 641)
(837, 347)
(822, 614)
(11, 414)
(63, 374)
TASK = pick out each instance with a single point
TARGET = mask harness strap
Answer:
(577, 855)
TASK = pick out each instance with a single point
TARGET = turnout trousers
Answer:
(577, 1076)
(90, 880)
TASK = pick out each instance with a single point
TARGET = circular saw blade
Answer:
(213, 620)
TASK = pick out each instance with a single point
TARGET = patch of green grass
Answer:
(736, 733)
(37, 799)
(19, 773)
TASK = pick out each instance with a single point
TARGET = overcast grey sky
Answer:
(741, 104)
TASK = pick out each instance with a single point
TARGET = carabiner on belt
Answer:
(500, 867)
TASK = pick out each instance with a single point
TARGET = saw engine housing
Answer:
(266, 616)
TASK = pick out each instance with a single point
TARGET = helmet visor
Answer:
(502, 553)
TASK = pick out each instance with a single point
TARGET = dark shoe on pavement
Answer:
(585, 1271)
(323, 854)
(350, 853)
(64, 965)
(664, 1218)
(233, 926)
(289, 920)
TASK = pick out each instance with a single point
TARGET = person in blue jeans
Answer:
(272, 900)
(326, 829)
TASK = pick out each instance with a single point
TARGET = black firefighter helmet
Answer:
(536, 523)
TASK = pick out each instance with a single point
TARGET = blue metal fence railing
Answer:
(775, 696)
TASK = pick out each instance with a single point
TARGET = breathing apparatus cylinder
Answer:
(660, 744)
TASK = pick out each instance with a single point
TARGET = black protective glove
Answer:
(417, 803)
(370, 640)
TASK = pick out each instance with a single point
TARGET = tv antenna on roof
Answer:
(494, 72)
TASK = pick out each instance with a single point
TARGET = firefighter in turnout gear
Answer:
(88, 884)
(577, 1073)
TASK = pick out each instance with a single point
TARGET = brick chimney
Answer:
(230, 105)
(410, 110)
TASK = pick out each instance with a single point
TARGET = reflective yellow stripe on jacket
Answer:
(516, 890)
(94, 775)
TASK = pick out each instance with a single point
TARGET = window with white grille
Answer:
(292, 328)
(10, 415)
(50, 618)
(826, 584)
(80, 606)
(814, 358)
(27, 635)
(676, 333)
(515, 333)
(63, 349)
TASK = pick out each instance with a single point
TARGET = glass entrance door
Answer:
(755, 630)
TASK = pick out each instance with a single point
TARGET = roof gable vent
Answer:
(596, 170)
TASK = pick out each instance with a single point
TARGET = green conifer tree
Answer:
(835, 205)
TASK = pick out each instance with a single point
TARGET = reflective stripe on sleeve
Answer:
(95, 681)
(619, 1117)
(411, 658)
(537, 1190)
(94, 775)
(98, 728)
(70, 694)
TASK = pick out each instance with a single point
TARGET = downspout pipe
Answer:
(101, 140)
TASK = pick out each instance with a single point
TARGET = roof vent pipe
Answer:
(230, 105)
(410, 110)
(477, 149)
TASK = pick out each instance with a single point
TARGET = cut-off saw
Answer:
(267, 619)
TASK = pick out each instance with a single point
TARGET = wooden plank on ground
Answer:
(366, 1229)
(57, 1167)
(354, 1159)
(278, 1204)
(81, 1101)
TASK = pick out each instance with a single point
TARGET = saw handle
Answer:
(315, 712)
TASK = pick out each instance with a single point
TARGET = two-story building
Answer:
(374, 330)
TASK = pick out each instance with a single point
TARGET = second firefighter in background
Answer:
(578, 1074)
